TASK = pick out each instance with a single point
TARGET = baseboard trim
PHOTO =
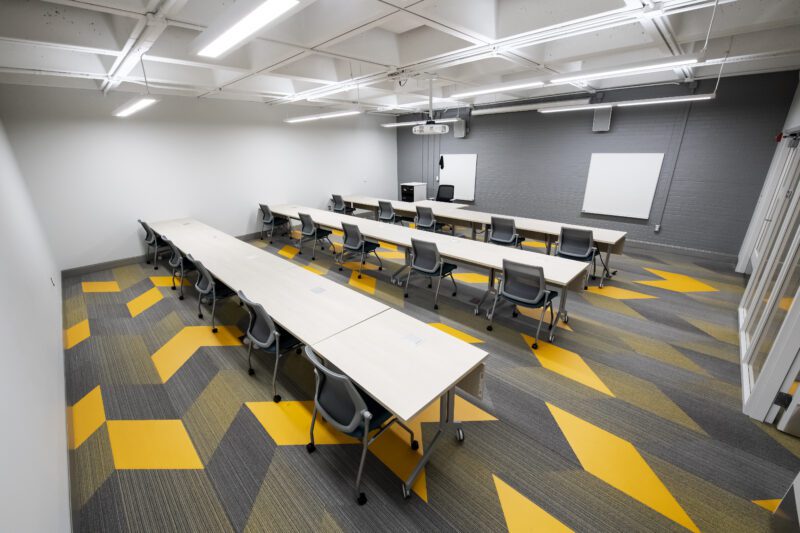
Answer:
(681, 250)
(116, 263)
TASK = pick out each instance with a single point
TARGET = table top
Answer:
(402, 366)
(446, 210)
(310, 306)
(558, 271)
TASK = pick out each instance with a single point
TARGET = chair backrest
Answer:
(522, 282)
(445, 193)
(338, 203)
(425, 219)
(503, 230)
(575, 241)
(385, 211)
(336, 397)
(352, 237)
(261, 329)
(266, 214)
(149, 234)
(308, 227)
(425, 256)
(205, 281)
(176, 258)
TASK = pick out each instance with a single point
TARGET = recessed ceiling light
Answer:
(134, 106)
(247, 26)
(323, 116)
(615, 73)
(500, 89)
(668, 100)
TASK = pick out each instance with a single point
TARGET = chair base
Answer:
(362, 499)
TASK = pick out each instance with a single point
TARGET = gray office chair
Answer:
(425, 220)
(504, 232)
(578, 245)
(268, 219)
(426, 260)
(445, 193)
(340, 207)
(153, 241)
(264, 334)
(524, 285)
(354, 243)
(309, 231)
(386, 212)
(179, 264)
(210, 291)
(350, 410)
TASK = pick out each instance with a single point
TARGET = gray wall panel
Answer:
(533, 164)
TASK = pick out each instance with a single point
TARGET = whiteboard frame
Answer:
(464, 189)
(622, 184)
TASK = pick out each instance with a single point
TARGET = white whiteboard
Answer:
(459, 170)
(622, 185)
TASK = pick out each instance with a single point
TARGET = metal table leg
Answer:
(474, 231)
(489, 290)
(446, 421)
(562, 312)
(406, 264)
(485, 232)
(547, 244)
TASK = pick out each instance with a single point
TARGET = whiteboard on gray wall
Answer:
(459, 170)
(622, 185)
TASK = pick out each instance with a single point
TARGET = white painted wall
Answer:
(34, 480)
(92, 175)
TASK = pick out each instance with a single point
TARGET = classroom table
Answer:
(608, 241)
(403, 363)
(562, 273)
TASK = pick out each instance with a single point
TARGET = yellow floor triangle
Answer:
(534, 244)
(100, 286)
(466, 337)
(618, 463)
(288, 251)
(769, 505)
(365, 283)
(152, 445)
(166, 281)
(388, 246)
(144, 301)
(566, 363)
(471, 277)
(76, 334)
(85, 417)
(172, 356)
(618, 293)
(521, 514)
(677, 282)
(320, 271)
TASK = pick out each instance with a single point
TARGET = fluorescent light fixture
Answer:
(573, 108)
(323, 116)
(500, 89)
(420, 122)
(668, 100)
(247, 26)
(615, 73)
(134, 106)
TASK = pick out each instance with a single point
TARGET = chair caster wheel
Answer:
(455, 294)
(250, 371)
(535, 345)
(405, 295)
(174, 288)
(298, 351)
(552, 338)
(313, 258)
(415, 445)
(380, 268)
(276, 398)
(200, 316)
(148, 262)
(430, 286)
(489, 327)
(155, 267)
(180, 297)
(460, 435)
(566, 319)
(476, 312)
(299, 253)
(310, 448)
(362, 499)
(514, 314)
(406, 492)
(359, 276)
(214, 330)
(340, 269)
(435, 306)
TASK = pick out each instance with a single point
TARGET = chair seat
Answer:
(542, 301)
(322, 233)
(512, 242)
(379, 415)
(446, 269)
(370, 247)
(576, 257)
(277, 221)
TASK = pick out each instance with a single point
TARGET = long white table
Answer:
(403, 363)
(563, 273)
(608, 241)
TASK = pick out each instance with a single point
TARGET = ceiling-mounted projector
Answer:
(430, 128)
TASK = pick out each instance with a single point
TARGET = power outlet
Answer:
(657, 228)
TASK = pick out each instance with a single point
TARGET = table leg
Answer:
(547, 243)
(562, 312)
(406, 264)
(474, 231)
(490, 289)
(446, 421)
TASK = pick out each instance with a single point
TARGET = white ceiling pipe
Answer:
(527, 107)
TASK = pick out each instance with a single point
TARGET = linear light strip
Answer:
(324, 116)
(247, 26)
(499, 89)
(134, 106)
(632, 103)
(643, 69)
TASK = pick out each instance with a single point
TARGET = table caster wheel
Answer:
(460, 435)
(476, 311)
(566, 319)
(552, 338)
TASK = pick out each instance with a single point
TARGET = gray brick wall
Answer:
(536, 165)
